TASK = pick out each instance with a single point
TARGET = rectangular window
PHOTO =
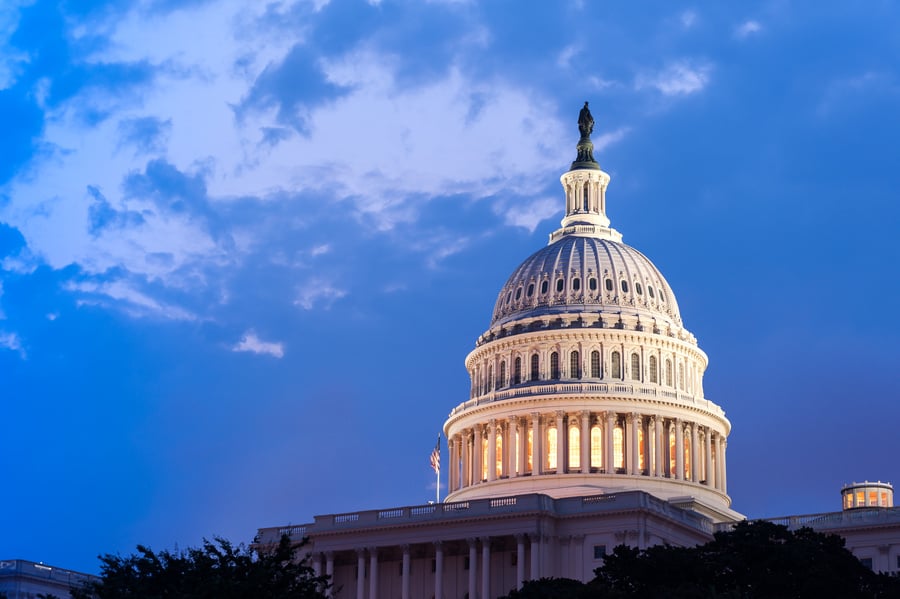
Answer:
(599, 551)
(465, 563)
(433, 566)
(867, 562)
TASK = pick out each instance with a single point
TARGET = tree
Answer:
(755, 559)
(217, 569)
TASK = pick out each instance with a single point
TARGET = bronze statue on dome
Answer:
(585, 121)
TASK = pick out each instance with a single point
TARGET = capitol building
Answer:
(586, 426)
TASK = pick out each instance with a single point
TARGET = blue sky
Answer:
(245, 247)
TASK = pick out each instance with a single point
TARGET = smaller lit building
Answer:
(22, 579)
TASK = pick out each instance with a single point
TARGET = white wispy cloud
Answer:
(747, 28)
(688, 18)
(565, 56)
(529, 215)
(250, 342)
(126, 298)
(12, 342)
(318, 293)
(677, 79)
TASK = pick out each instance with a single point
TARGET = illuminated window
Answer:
(498, 456)
(671, 451)
(484, 458)
(860, 498)
(884, 499)
(618, 447)
(517, 371)
(595, 364)
(642, 458)
(576, 284)
(517, 461)
(848, 501)
(873, 497)
(596, 447)
(551, 448)
(574, 365)
(616, 365)
(635, 367)
(574, 447)
(687, 458)
(530, 450)
(653, 373)
(668, 373)
(554, 366)
(502, 380)
(599, 551)
(534, 367)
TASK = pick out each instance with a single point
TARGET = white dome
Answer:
(578, 274)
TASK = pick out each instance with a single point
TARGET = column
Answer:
(633, 464)
(536, 445)
(492, 451)
(404, 582)
(724, 444)
(509, 446)
(329, 570)
(360, 574)
(658, 444)
(473, 568)
(609, 421)
(707, 457)
(448, 464)
(535, 557)
(523, 445)
(438, 570)
(520, 560)
(561, 442)
(585, 442)
(316, 562)
(485, 567)
(373, 573)
(695, 454)
(478, 455)
(466, 461)
(679, 449)
(719, 461)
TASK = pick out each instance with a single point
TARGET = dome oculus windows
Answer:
(592, 284)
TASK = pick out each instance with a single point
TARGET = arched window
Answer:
(560, 285)
(551, 448)
(484, 458)
(681, 376)
(529, 465)
(498, 455)
(618, 447)
(490, 381)
(616, 365)
(517, 371)
(518, 293)
(642, 455)
(530, 291)
(534, 367)
(554, 366)
(584, 197)
(576, 284)
(687, 457)
(608, 284)
(637, 287)
(653, 372)
(574, 447)
(501, 382)
(592, 284)
(624, 286)
(671, 451)
(650, 291)
(596, 447)
(595, 364)
(635, 367)
(668, 372)
(574, 365)
(544, 286)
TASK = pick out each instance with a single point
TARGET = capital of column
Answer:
(485, 541)
(472, 543)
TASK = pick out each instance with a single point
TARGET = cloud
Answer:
(529, 215)
(12, 342)
(681, 78)
(318, 292)
(251, 343)
(688, 18)
(746, 29)
(147, 135)
(564, 58)
(126, 298)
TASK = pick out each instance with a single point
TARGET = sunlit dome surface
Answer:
(586, 274)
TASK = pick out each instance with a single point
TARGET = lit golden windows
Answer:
(596, 447)
(618, 447)
(574, 447)
(551, 448)
(530, 450)
(498, 456)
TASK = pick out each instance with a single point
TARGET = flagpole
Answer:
(437, 487)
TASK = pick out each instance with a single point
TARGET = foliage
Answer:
(755, 560)
(217, 569)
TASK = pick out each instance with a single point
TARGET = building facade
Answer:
(586, 427)
(22, 579)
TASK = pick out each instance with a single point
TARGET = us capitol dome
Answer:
(586, 380)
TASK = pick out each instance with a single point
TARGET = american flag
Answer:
(436, 456)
